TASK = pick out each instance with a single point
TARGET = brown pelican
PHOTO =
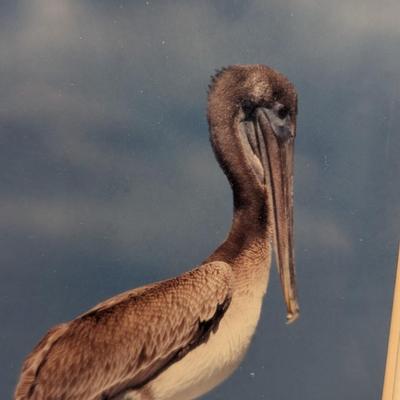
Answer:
(179, 338)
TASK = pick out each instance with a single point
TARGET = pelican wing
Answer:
(128, 340)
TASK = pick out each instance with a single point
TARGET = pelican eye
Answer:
(279, 119)
(283, 112)
(248, 108)
(280, 110)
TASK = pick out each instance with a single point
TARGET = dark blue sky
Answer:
(107, 179)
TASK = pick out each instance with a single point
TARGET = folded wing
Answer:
(128, 340)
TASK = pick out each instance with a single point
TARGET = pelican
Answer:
(179, 338)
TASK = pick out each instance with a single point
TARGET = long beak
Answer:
(277, 160)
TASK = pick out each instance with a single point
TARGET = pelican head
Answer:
(252, 117)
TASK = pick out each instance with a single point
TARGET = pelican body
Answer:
(179, 338)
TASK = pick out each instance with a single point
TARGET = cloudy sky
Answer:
(107, 179)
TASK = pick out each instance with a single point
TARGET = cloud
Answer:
(107, 172)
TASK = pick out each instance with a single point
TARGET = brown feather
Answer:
(128, 340)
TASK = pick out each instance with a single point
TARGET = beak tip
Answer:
(292, 316)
